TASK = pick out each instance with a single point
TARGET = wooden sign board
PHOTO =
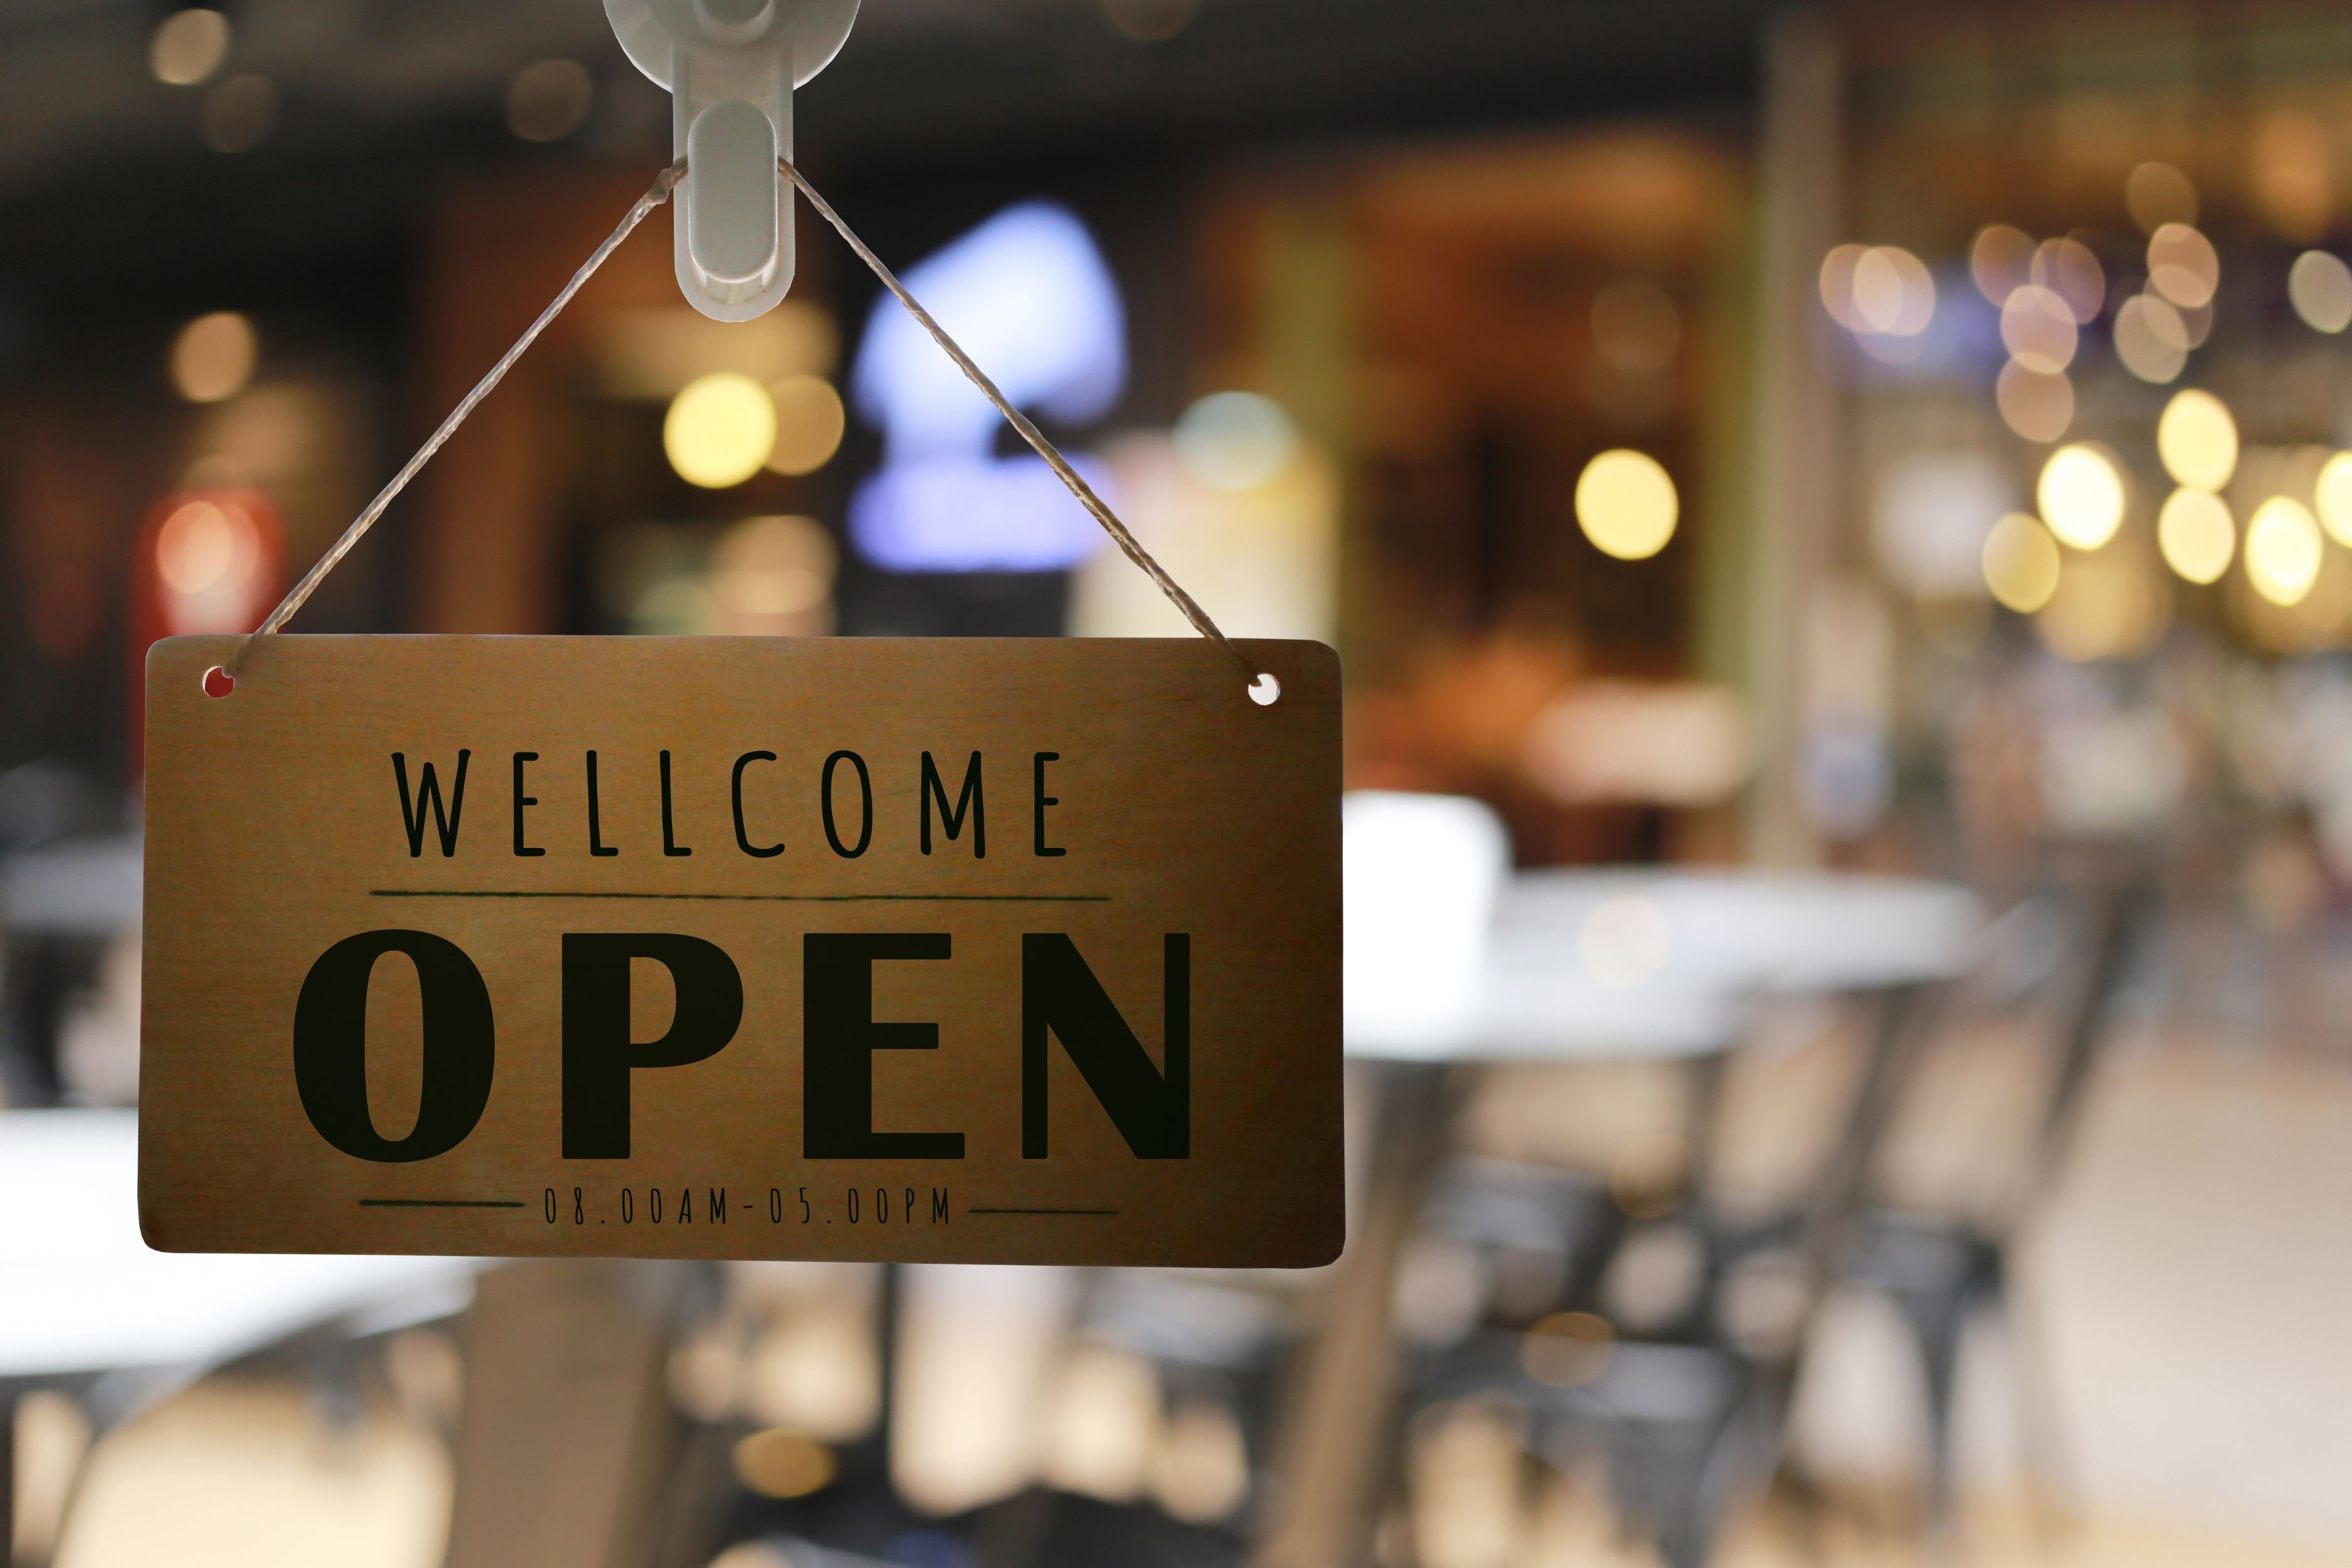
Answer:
(1015, 952)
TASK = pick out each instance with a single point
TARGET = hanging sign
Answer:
(1016, 951)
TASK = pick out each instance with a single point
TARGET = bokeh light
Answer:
(205, 547)
(549, 100)
(2068, 269)
(1626, 504)
(1837, 286)
(2081, 496)
(2282, 551)
(188, 47)
(2334, 493)
(2151, 339)
(810, 424)
(2022, 564)
(720, 430)
(2158, 194)
(2182, 266)
(1235, 441)
(1894, 294)
(1878, 291)
(781, 1463)
(2002, 261)
(2320, 285)
(2197, 441)
(2197, 535)
(2038, 406)
(2038, 328)
(214, 356)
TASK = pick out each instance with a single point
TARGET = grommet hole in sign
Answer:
(218, 682)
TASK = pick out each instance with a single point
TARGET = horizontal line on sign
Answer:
(439, 1204)
(767, 897)
(1110, 1213)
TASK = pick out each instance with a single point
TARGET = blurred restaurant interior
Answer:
(1838, 520)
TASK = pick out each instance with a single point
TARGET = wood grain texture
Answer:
(277, 828)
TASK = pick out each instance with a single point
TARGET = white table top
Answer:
(1631, 965)
(80, 1292)
(1791, 932)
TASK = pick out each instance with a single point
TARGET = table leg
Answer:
(1337, 1420)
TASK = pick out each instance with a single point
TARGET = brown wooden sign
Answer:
(969, 951)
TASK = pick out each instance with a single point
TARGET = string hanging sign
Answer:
(1001, 951)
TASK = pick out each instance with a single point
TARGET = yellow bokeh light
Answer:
(2081, 496)
(2335, 495)
(2197, 441)
(213, 357)
(2282, 551)
(720, 430)
(2021, 563)
(2198, 535)
(1626, 504)
(188, 47)
(810, 422)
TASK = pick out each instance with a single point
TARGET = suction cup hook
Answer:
(730, 66)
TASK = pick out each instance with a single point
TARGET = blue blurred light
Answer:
(975, 514)
(1031, 298)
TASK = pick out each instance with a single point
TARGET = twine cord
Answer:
(662, 187)
(659, 193)
(1127, 541)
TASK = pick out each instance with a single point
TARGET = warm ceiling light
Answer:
(2002, 261)
(2183, 266)
(2197, 441)
(2021, 563)
(2283, 552)
(213, 357)
(1626, 504)
(2081, 496)
(2038, 406)
(810, 423)
(207, 548)
(720, 430)
(2197, 535)
(2320, 285)
(188, 47)
(1893, 293)
(2038, 328)
(2334, 492)
(2151, 339)
(2067, 269)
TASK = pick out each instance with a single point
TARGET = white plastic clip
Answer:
(730, 66)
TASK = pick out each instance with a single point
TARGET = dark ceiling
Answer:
(920, 77)
(108, 193)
